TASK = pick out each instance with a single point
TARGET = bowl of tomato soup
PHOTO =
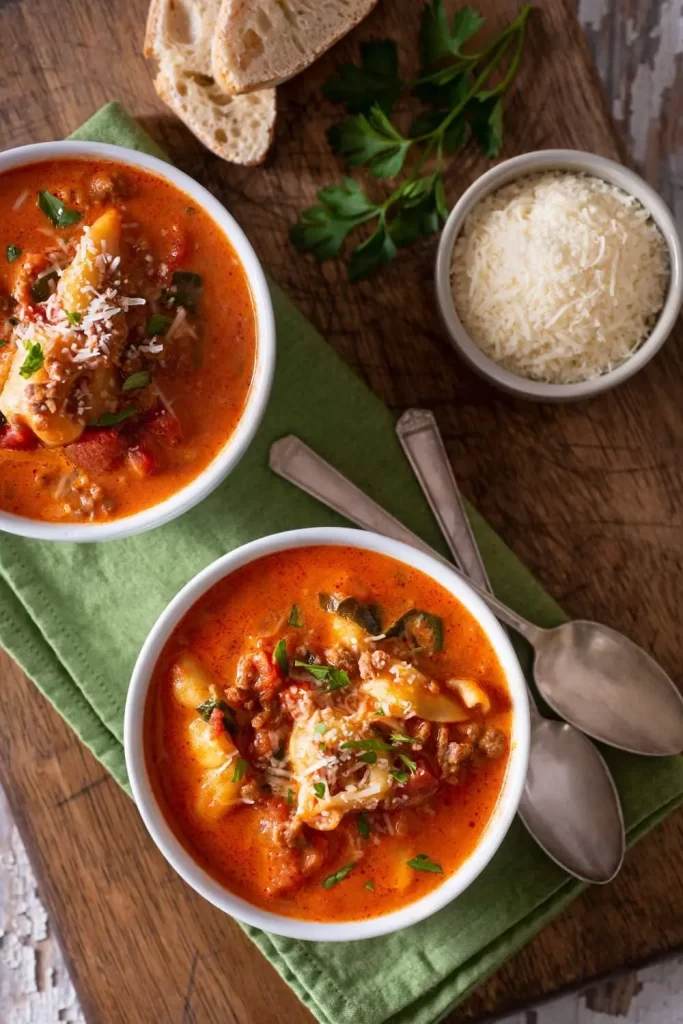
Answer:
(137, 342)
(327, 733)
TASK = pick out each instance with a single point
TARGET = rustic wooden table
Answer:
(588, 495)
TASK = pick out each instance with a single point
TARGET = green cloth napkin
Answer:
(75, 616)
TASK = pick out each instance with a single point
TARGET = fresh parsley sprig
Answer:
(462, 93)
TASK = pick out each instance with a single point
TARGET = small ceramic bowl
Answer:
(175, 852)
(259, 391)
(580, 163)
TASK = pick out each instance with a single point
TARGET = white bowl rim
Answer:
(524, 165)
(259, 391)
(174, 851)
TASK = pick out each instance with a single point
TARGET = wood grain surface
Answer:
(588, 495)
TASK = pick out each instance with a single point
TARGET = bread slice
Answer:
(178, 36)
(260, 43)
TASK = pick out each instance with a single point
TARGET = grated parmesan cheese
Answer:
(559, 277)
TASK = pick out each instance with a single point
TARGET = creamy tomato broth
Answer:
(327, 732)
(127, 340)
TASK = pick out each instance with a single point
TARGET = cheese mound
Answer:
(559, 277)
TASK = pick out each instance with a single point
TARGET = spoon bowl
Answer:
(608, 687)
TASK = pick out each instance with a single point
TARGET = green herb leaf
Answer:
(338, 876)
(110, 419)
(295, 618)
(422, 630)
(73, 318)
(41, 289)
(186, 290)
(157, 325)
(13, 253)
(375, 81)
(55, 210)
(279, 754)
(334, 677)
(371, 141)
(363, 825)
(378, 250)
(370, 884)
(33, 361)
(369, 758)
(321, 729)
(137, 380)
(240, 770)
(486, 121)
(420, 213)
(401, 777)
(290, 797)
(209, 706)
(401, 737)
(367, 616)
(410, 765)
(380, 712)
(322, 229)
(423, 863)
(319, 789)
(280, 656)
(438, 39)
(366, 744)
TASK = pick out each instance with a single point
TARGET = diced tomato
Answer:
(17, 437)
(217, 722)
(165, 429)
(422, 782)
(142, 461)
(97, 451)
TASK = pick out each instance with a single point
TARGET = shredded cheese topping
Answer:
(559, 277)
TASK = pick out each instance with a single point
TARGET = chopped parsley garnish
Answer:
(321, 729)
(41, 289)
(290, 797)
(209, 706)
(280, 656)
(363, 825)
(410, 765)
(279, 754)
(401, 777)
(295, 618)
(370, 884)
(73, 318)
(13, 253)
(338, 876)
(369, 758)
(423, 863)
(110, 419)
(400, 737)
(334, 677)
(380, 712)
(137, 380)
(366, 745)
(319, 789)
(185, 290)
(2, 345)
(240, 770)
(55, 210)
(33, 361)
(157, 324)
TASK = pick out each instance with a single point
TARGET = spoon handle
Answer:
(293, 460)
(421, 440)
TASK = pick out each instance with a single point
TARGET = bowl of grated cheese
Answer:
(559, 275)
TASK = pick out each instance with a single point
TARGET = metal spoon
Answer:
(570, 804)
(589, 674)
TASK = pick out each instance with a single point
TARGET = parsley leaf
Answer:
(372, 254)
(280, 656)
(137, 380)
(410, 765)
(240, 770)
(401, 737)
(365, 745)
(370, 884)
(338, 876)
(375, 81)
(401, 777)
(319, 789)
(33, 361)
(55, 210)
(322, 229)
(295, 618)
(185, 290)
(423, 863)
(13, 253)
(438, 39)
(371, 141)
(157, 324)
(73, 318)
(369, 758)
(110, 419)
(363, 825)
(290, 797)
(334, 677)
(209, 706)
(486, 121)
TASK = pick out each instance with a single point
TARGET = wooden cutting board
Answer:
(588, 495)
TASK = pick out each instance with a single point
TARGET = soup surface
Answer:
(127, 340)
(327, 731)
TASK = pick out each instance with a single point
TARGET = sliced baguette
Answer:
(178, 36)
(261, 43)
